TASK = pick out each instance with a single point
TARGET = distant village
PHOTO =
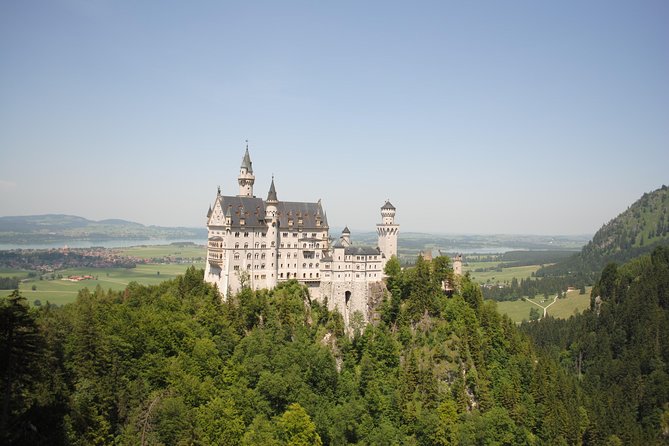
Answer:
(47, 261)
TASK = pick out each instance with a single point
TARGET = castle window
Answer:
(313, 235)
(236, 267)
(288, 255)
(246, 245)
(285, 234)
(272, 245)
(281, 275)
(278, 256)
(246, 234)
(263, 246)
(262, 256)
(236, 256)
(248, 266)
(317, 265)
(248, 256)
(316, 274)
(311, 265)
(304, 275)
(256, 256)
(257, 245)
(236, 234)
(304, 245)
(295, 235)
(236, 245)
(262, 266)
(311, 275)
(294, 245)
(304, 265)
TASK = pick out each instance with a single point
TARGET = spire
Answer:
(346, 230)
(246, 161)
(271, 196)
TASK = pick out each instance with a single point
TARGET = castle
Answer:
(259, 243)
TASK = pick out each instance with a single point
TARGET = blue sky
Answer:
(471, 117)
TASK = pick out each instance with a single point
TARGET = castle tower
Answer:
(272, 222)
(457, 265)
(246, 177)
(346, 237)
(388, 232)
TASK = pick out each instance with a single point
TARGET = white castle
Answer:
(259, 243)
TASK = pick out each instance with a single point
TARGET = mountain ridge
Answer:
(64, 227)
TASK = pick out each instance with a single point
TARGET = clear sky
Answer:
(538, 117)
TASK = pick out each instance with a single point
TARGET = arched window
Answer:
(263, 246)
(256, 256)
(246, 245)
(304, 265)
(248, 256)
(236, 245)
(236, 256)
(262, 256)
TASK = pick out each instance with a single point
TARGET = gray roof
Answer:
(252, 209)
(346, 230)
(295, 209)
(388, 205)
(361, 251)
(246, 161)
(271, 195)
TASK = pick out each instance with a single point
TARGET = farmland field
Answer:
(61, 291)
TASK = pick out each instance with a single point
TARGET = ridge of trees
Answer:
(619, 351)
(171, 364)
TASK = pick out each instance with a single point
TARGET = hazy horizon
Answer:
(544, 118)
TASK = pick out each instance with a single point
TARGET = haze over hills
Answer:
(59, 227)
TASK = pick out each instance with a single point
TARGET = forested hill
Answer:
(170, 364)
(58, 227)
(635, 232)
(619, 350)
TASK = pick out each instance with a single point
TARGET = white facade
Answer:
(258, 243)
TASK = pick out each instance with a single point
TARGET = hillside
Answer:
(635, 232)
(171, 364)
(619, 350)
(58, 227)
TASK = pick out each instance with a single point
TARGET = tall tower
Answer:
(246, 177)
(387, 232)
(272, 222)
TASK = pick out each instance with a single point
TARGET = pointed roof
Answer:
(246, 161)
(346, 230)
(209, 212)
(271, 195)
(228, 213)
(388, 205)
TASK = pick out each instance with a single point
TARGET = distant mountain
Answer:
(58, 227)
(635, 232)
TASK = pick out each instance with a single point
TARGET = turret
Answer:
(387, 232)
(346, 237)
(246, 177)
(270, 203)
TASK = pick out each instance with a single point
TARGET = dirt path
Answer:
(541, 306)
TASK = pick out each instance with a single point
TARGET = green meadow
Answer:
(157, 251)
(60, 291)
(519, 310)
